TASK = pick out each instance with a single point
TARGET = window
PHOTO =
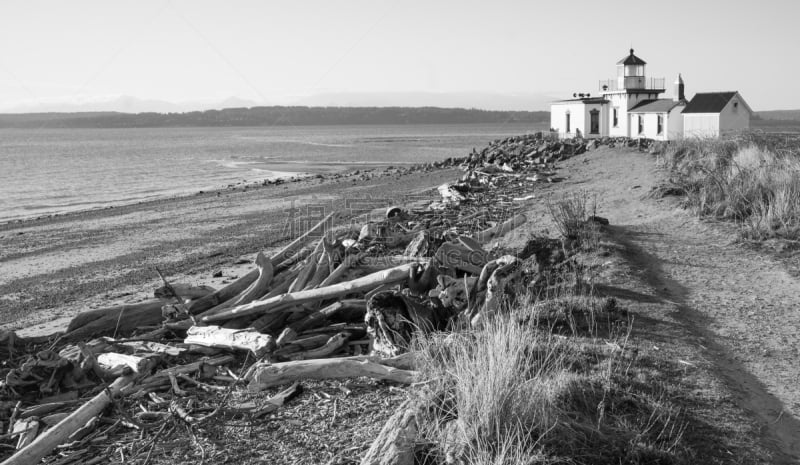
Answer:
(616, 117)
(568, 125)
(660, 124)
(641, 124)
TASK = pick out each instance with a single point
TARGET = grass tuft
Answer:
(753, 180)
(512, 392)
(573, 216)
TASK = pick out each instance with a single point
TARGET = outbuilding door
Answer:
(594, 122)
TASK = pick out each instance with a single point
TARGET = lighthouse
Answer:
(629, 106)
(630, 88)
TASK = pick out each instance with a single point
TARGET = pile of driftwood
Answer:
(339, 301)
(334, 303)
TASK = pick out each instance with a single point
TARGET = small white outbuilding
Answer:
(713, 114)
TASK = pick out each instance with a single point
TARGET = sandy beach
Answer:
(52, 268)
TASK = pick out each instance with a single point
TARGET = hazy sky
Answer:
(279, 51)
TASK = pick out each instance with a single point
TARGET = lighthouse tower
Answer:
(631, 87)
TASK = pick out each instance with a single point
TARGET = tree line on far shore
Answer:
(272, 116)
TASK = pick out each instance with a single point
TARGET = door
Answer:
(594, 122)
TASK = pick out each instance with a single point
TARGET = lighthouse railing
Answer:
(632, 82)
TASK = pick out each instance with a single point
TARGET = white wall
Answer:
(624, 102)
(675, 123)
(701, 125)
(558, 117)
(618, 101)
(650, 126)
(579, 118)
(734, 117)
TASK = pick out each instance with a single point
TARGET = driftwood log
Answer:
(302, 240)
(233, 289)
(340, 270)
(491, 288)
(265, 375)
(396, 443)
(406, 361)
(393, 317)
(369, 282)
(114, 362)
(320, 316)
(214, 336)
(333, 344)
(115, 321)
(184, 291)
(500, 230)
(307, 270)
(275, 402)
(223, 295)
(256, 289)
(50, 439)
(26, 430)
(323, 266)
(299, 345)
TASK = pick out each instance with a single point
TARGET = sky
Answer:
(298, 52)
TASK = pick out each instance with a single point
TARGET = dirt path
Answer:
(736, 310)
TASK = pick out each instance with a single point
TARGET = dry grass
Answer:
(571, 214)
(514, 392)
(753, 180)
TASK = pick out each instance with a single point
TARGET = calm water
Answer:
(58, 170)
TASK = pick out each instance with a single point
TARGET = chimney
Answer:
(679, 90)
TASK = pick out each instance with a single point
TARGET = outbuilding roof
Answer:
(709, 102)
(662, 105)
(631, 60)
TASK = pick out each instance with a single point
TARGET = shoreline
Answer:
(252, 154)
(319, 171)
(56, 266)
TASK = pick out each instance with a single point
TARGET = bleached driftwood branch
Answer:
(369, 282)
(262, 376)
(501, 229)
(234, 339)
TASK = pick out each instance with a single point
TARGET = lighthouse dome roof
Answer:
(631, 60)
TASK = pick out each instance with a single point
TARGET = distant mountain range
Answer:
(129, 104)
(122, 104)
(272, 116)
(483, 100)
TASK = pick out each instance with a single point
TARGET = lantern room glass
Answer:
(634, 70)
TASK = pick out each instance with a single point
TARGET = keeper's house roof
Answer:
(709, 102)
(662, 105)
(584, 100)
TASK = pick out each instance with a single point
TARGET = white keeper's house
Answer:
(629, 106)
